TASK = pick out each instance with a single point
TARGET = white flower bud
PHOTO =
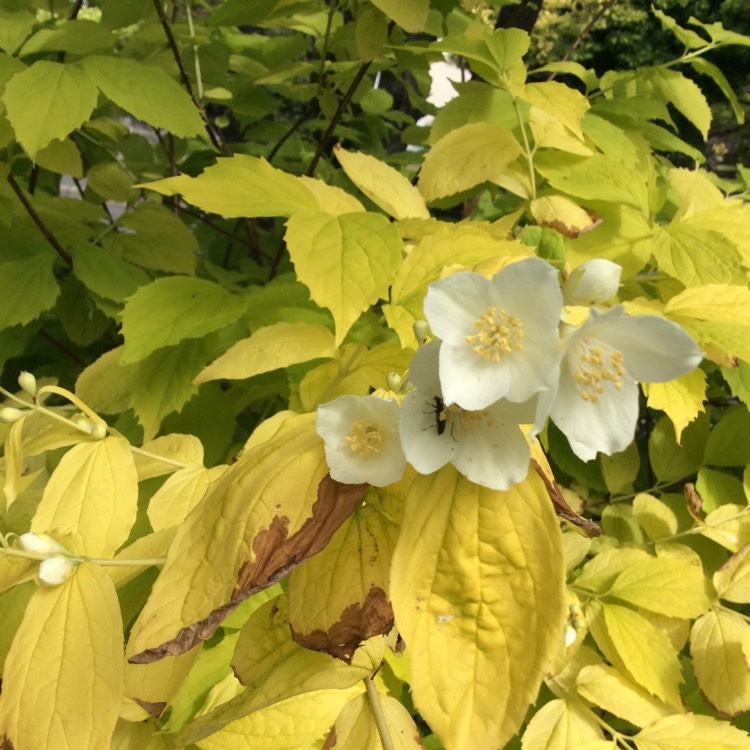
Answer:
(99, 430)
(594, 281)
(10, 414)
(55, 570)
(28, 382)
(393, 381)
(421, 329)
(41, 543)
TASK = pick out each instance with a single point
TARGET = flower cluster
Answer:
(503, 362)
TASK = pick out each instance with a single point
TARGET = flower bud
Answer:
(28, 382)
(393, 381)
(594, 281)
(421, 329)
(99, 430)
(55, 570)
(41, 543)
(10, 414)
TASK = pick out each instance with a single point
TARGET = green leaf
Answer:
(738, 379)
(473, 564)
(728, 444)
(466, 157)
(163, 382)
(271, 348)
(685, 95)
(14, 28)
(106, 274)
(672, 461)
(48, 100)
(241, 13)
(371, 32)
(146, 93)
(240, 186)
(106, 385)
(172, 309)
(565, 104)
(411, 16)
(156, 240)
(27, 287)
(77, 37)
(701, 65)
(688, 37)
(347, 262)
(61, 157)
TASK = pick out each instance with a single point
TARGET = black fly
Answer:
(440, 417)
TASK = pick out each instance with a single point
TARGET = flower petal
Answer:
(55, 570)
(426, 449)
(594, 281)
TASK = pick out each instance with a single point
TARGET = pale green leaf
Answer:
(670, 460)
(382, 184)
(62, 97)
(145, 92)
(106, 274)
(172, 309)
(466, 157)
(61, 157)
(331, 199)
(14, 28)
(718, 663)
(685, 95)
(371, 32)
(565, 104)
(732, 580)
(78, 36)
(178, 450)
(62, 682)
(607, 688)
(110, 180)
(701, 65)
(688, 37)
(691, 732)
(738, 379)
(92, 495)
(241, 186)
(106, 385)
(472, 564)
(561, 725)
(347, 262)
(637, 649)
(697, 257)
(271, 348)
(599, 572)
(656, 518)
(681, 399)
(620, 469)
(410, 16)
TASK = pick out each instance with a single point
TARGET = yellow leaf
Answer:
(143, 735)
(655, 517)
(562, 102)
(299, 723)
(333, 607)
(347, 262)
(106, 385)
(145, 547)
(695, 192)
(158, 682)
(667, 586)
(166, 454)
(268, 512)
(607, 688)
(465, 157)
(271, 348)
(382, 184)
(638, 649)
(722, 303)
(691, 732)
(15, 570)
(171, 503)
(470, 566)
(732, 580)
(274, 668)
(13, 461)
(561, 213)
(549, 132)
(331, 200)
(561, 725)
(728, 525)
(355, 727)
(680, 399)
(718, 662)
(92, 495)
(62, 684)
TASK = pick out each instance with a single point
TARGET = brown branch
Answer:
(337, 115)
(289, 133)
(584, 33)
(71, 355)
(216, 139)
(43, 228)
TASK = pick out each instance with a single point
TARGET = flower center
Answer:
(365, 439)
(456, 421)
(597, 364)
(498, 334)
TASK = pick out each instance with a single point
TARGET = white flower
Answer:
(486, 446)
(40, 543)
(361, 440)
(595, 281)
(500, 336)
(596, 404)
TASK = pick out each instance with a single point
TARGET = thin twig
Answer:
(71, 355)
(43, 228)
(584, 33)
(216, 139)
(307, 114)
(337, 115)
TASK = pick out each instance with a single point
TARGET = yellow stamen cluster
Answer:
(364, 438)
(459, 421)
(597, 365)
(498, 335)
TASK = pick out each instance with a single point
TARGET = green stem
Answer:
(526, 147)
(196, 58)
(376, 707)
(106, 562)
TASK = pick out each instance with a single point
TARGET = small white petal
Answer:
(595, 281)
(361, 440)
(55, 570)
(426, 448)
(40, 543)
